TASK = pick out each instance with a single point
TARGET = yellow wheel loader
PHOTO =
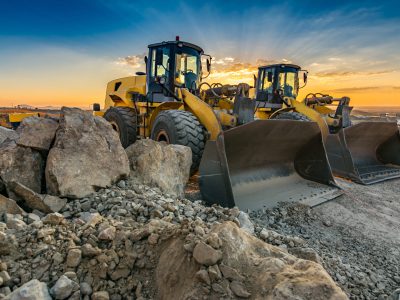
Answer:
(243, 162)
(366, 153)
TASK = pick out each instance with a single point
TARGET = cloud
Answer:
(351, 73)
(134, 61)
(362, 89)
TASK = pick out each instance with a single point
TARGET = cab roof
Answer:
(177, 42)
(280, 65)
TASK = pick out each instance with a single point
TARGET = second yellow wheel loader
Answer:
(366, 153)
(254, 164)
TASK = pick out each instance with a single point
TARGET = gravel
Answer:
(356, 237)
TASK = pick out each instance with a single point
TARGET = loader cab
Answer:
(172, 65)
(275, 82)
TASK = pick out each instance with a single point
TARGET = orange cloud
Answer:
(351, 73)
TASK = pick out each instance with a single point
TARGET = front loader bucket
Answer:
(262, 163)
(366, 153)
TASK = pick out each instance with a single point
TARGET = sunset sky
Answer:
(63, 52)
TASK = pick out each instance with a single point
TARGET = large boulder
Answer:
(249, 268)
(21, 164)
(32, 290)
(43, 203)
(87, 155)
(37, 133)
(6, 133)
(158, 164)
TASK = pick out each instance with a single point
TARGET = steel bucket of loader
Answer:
(265, 162)
(366, 152)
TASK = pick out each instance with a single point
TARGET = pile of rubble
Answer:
(83, 219)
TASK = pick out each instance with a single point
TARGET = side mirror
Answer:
(159, 57)
(305, 77)
(269, 76)
(255, 80)
(145, 60)
(208, 65)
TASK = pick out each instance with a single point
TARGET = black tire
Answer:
(292, 115)
(182, 128)
(124, 121)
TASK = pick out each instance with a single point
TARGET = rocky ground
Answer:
(82, 218)
(133, 242)
(356, 237)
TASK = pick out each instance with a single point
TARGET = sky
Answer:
(63, 52)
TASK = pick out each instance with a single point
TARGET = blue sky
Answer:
(85, 43)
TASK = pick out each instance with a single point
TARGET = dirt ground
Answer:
(372, 211)
(357, 236)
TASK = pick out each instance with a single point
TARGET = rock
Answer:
(107, 234)
(239, 290)
(120, 273)
(122, 184)
(87, 155)
(6, 133)
(218, 288)
(269, 272)
(33, 218)
(230, 273)
(20, 164)
(9, 206)
(43, 203)
(93, 219)
(75, 296)
(37, 133)
(16, 224)
(306, 253)
(53, 219)
(245, 222)
(32, 290)
(5, 277)
(74, 258)
(8, 245)
(101, 295)
(160, 165)
(58, 258)
(90, 251)
(203, 277)
(206, 255)
(85, 288)
(213, 240)
(214, 273)
(63, 288)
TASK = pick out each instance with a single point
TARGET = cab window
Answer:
(160, 68)
(187, 68)
(288, 83)
(267, 86)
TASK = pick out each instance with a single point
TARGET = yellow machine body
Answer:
(148, 112)
(366, 153)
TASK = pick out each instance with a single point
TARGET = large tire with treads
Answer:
(292, 115)
(182, 128)
(124, 121)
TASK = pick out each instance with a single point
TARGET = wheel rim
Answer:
(162, 136)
